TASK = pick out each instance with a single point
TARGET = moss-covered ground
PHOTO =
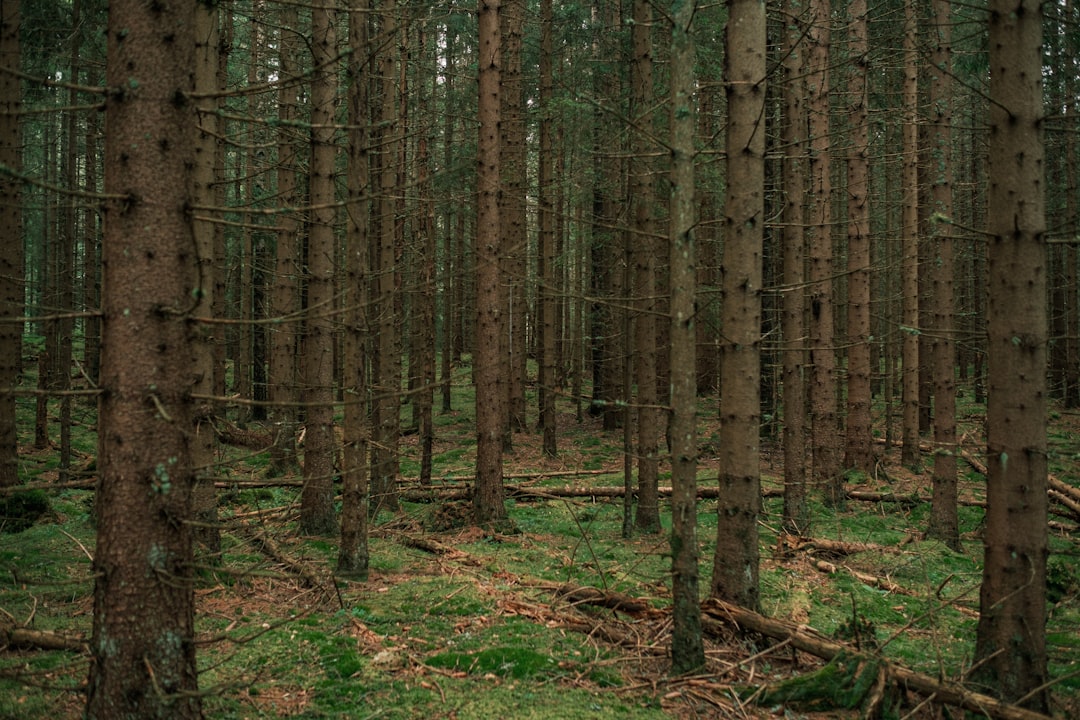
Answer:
(454, 622)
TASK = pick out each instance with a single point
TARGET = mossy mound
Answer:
(18, 512)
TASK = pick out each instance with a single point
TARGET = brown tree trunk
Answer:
(203, 438)
(512, 163)
(643, 196)
(859, 454)
(11, 251)
(909, 322)
(687, 649)
(452, 263)
(796, 511)
(1010, 644)
(737, 556)
(143, 634)
(388, 348)
(353, 555)
(824, 435)
(317, 498)
(284, 291)
(605, 322)
(548, 282)
(944, 523)
(488, 506)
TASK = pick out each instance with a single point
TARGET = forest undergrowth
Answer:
(562, 618)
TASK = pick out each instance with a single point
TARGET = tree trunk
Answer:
(143, 634)
(488, 506)
(944, 523)
(859, 453)
(796, 513)
(11, 251)
(387, 380)
(548, 282)
(203, 438)
(317, 498)
(824, 434)
(687, 649)
(736, 559)
(353, 554)
(643, 195)
(1010, 645)
(909, 322)
(512, 164)
(284, 291)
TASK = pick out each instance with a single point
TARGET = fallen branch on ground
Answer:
(269, 548)
(13, 636)
(939, 691)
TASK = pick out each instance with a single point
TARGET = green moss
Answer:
(504, 661)
(19, 511)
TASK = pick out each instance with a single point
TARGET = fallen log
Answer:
(13, 636)
(587, 595)
(942, 692)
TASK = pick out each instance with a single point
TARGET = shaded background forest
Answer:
(318, 135)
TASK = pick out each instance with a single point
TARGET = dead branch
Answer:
(586, 595)
(269, 548)
(13, 636)
(939, 691)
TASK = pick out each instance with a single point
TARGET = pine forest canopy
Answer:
(827, 223)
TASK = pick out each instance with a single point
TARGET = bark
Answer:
(909, 322)
(488, 506)
(143, 642)
(796, 513)
(283, 295)
(824, 427)
(944, 523)
(387, 358)
(353, 553)
(203, 441)
(687, 649)
(512, 169)
(1010, 646)
(11, 251)
(737, 556)
(646, 249)
(859, 454)
(548, 291)
(605, 322)
(317, 498)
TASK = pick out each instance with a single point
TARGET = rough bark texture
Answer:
(11, 250)
(283, 294)
(824, 438)
(687, 649)
(488, 505)
(909, 270)
(643, 195)
(796, 510)
(317, 498)
(859, 454)
(143, 634)
(1010, 641)
(547, 272)
(736, 560)
(944, 523)
(512, 170)
(387, 354)
(353, 555)
(203, 441)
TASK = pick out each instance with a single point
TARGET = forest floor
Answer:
(563, 618)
